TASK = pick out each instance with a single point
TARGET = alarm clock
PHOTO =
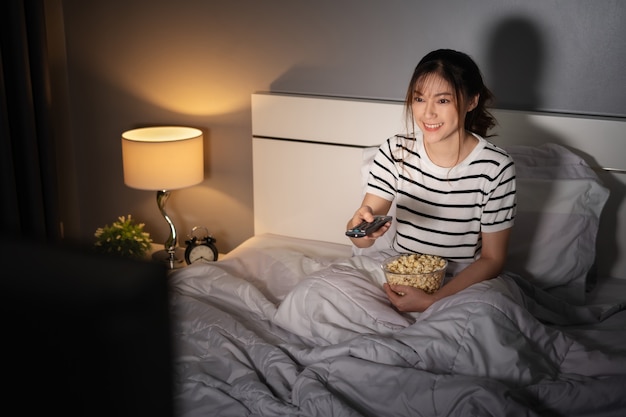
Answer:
(200, 247)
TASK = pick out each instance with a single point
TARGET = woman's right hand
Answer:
(363, 214)
(366, 213)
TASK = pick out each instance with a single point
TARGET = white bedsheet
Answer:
(271, 331)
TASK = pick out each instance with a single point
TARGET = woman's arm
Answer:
(372, 205)
(489, 265)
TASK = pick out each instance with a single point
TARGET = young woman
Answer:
(454, 190)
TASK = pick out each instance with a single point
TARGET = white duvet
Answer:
(272, 332)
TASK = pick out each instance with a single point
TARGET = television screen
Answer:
(84, 334)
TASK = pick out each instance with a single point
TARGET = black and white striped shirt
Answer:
(442, 211)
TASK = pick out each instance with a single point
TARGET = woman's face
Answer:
(434, 110)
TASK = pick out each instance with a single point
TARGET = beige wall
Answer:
(132, 63)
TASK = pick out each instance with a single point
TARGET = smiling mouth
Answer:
(432, 127)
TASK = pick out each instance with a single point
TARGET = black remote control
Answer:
(366, 228)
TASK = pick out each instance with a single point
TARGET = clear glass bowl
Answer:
(425, 272)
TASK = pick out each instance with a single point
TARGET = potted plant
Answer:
(124, 238)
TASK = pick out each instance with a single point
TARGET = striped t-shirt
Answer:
(442, 211)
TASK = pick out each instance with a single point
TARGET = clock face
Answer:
(201, 253)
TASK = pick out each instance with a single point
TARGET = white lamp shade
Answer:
(163, 157)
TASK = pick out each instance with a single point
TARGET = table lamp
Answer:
(163, 158)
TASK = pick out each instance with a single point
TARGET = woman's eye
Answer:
(419, 100)
(444, 101)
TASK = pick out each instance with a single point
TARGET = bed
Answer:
(293, 322)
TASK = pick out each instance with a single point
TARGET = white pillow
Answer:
(559, 202)
(385, 241)
(276, 264)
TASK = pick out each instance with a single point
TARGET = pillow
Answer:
(559, 202)
(385, 241)
(275, 264)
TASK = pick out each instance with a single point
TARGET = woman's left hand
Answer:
(413, 300)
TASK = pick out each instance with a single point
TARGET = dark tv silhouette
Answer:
(84, 334)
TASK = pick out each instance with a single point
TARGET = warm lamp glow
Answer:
(162, 158)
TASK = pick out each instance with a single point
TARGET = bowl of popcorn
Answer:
(425, 272)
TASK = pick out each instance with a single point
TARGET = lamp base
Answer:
(163, 256)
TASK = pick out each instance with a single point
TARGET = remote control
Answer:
(366, 228)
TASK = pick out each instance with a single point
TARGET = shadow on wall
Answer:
(515, 59)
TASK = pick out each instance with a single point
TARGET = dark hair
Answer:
(462, 73)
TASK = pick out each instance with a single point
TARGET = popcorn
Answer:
(421, 271)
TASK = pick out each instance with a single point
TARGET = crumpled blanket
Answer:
(330, 344)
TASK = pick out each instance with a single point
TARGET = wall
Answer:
(133, 63)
